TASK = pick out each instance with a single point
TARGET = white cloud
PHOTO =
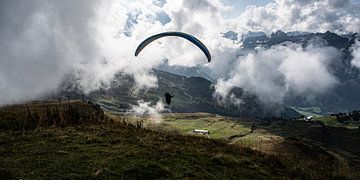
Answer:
(273, 73)
(301, 15)
(356, 54)
(46, 40)
(146, 109)
(41, 43)
(38, 44)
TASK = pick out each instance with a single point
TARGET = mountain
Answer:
(192, 94)
(345, 96)
(187, 71)
(231, 35)
(196, 94)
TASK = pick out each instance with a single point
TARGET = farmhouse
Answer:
(308, 118)
(199, 131)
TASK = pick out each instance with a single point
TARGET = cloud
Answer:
(356, 54)
(38, 44)
(301, 15)
(43, 42)
(145, 109)
(273, 73)
(94, 40)
(47, 40)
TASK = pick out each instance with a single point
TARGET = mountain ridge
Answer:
(344, 97)
(192, 94)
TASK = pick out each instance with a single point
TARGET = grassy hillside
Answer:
(311, 111)
(111, 147)
(333, 122)
(220, 127)
(118, 151)
(239, 129)
(49, 113)
(303, 141)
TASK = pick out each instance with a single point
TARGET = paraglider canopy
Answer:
(189, 37)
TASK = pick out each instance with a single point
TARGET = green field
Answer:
(91, 144)
(236, 131)
(310, 111)
(331, 121)
(218, 126)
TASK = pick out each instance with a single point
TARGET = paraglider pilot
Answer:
(168, 97)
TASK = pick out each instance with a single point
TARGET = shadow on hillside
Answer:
(316, 142)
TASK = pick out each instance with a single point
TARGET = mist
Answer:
(273, 73)
(356, 54)
(43, 41)
(148, 109)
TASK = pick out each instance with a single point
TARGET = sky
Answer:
(239, 6)
(43, 41)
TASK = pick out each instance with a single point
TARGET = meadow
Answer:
(103, 145)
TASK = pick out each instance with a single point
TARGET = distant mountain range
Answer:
(194, 87)
(192, 94)
(346, 95)
(252, 40)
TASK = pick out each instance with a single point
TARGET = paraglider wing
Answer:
(189, 37)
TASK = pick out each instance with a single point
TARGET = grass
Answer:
(260, 140)
(117, 148)
(48, 113)
(332, 122)
(123, 151)
(328, 121)
(310, 111)
(218, 126)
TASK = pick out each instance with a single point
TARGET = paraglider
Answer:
(168, 97)
(186, 36)
(189, 37)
